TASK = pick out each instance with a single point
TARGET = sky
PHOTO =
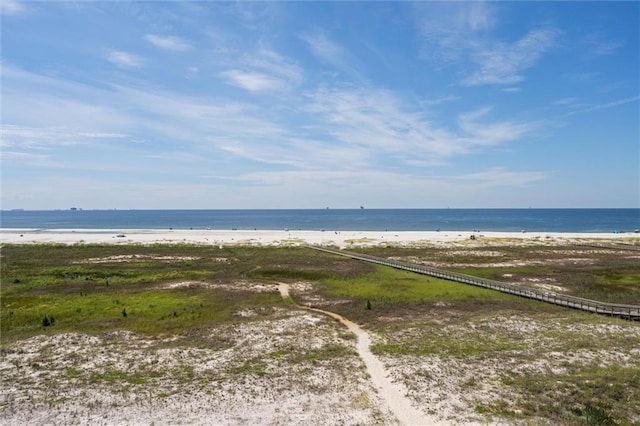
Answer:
(225, 105)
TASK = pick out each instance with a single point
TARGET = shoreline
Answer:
(298, 237)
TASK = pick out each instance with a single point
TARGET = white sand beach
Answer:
(341, 239)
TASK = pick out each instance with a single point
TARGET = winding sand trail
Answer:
(393, 394)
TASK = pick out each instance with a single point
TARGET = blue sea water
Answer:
(532, 220)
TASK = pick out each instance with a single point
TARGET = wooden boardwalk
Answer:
(631, 312)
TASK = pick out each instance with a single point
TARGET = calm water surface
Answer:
(534, 220)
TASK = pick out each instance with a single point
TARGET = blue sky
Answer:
(320, 104)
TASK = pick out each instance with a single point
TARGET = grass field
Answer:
(506, 359)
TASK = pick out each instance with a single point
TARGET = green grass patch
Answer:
(148, 311)
(448, 344)
(44, 282)
(391, 286)
(254, 367)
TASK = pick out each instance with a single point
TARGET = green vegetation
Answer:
(91, 289)
(190, 293)
(580, 394)
(390, 286)
(606, 274)
(472, 344)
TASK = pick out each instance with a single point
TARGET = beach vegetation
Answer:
(545, 364)
(607, 274)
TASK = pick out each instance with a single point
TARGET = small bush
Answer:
(48, 321)
(595, 414)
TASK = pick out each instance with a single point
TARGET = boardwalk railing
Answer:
(631, 312)
(618, 246)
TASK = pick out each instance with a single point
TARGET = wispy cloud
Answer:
(380, 121)
(268, 61)
(460, 34)
(316, 186)
(490, 134)
(253, 81)
(605, 105)
(12, 7)
(49, 137)
(504, 63)
(501, 176)
(440, 100)
(264, 71)
(48, 110)
(172, 43)
(124, 59)
(331, 53)
(598, 44)
(340, 128)
(450, 29)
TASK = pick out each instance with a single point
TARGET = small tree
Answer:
(368, 305)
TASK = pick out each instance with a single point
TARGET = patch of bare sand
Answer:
(137, 258)
(228, 286)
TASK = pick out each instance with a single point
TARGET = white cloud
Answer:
(173, 43)
(264, 71)
(342, 128)
(270, 62)
(489, 134)
(379, 121)
(12, 7)
(253, 81)
(460, 34)
(48, 137)
(500, 176)
(478, 16)
(192, 72)
(503, 63)
(124, 59)
(331, 53)
(317, 188)
(41, 111)
(450, 29)
(606, 105)
(598, 44)
(440, 100)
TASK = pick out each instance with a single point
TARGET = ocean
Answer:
(506, 220)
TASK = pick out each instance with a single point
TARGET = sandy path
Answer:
(392, 393)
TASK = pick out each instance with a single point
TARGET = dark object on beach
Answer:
(120, 235)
